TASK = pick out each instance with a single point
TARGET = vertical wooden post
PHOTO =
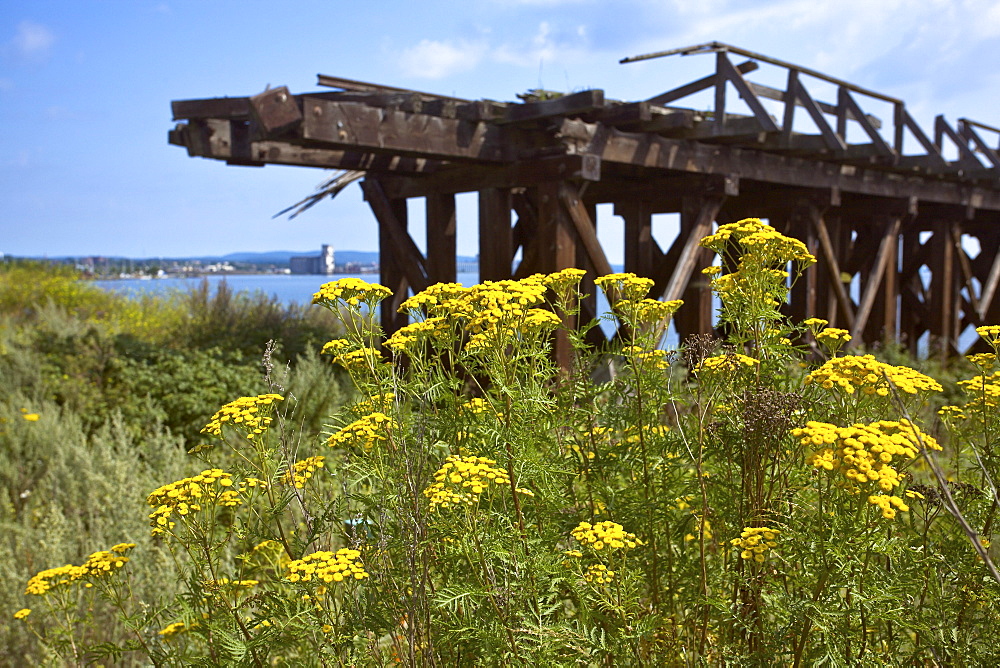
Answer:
(558, 250)
(391, 270)
(441, 226)
(695, 317)
(911, 325)
(496, 239)
(639, 243)
(944, 314)
(803, 298)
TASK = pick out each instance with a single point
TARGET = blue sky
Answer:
(86, 85)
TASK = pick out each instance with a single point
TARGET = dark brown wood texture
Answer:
(891, 229)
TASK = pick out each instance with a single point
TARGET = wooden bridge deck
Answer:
(896, 225)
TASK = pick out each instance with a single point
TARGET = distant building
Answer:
(314, 264)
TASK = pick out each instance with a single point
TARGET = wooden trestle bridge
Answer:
(892, 231)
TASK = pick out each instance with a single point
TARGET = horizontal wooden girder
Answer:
(661, 153)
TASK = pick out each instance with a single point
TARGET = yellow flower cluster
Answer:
(833, 335)
(478, 406)
(344, 564)
(186, 496)
(431, 329)
(631, 434)
(888, 504)
(539, 320)
(439, 299)
(61, 576)
(815, 324)
(496, 311)
(302, 470)
(462, 479)
(365, 432)
(863, 453)
(626, 286)
(492, 314)
(984, 396)
(754, 542)
(352, 291)
(990, 334)
(866, 373)
(701, 524)
(30, 417)
(352, 359)
(641, 357)
(250, 415)
(985, 361)
(380, 403)
(22, 613)
(605, 534)
(107, 561)
(97, 565)
(561, 281)
(173, 629)
(761, 244)
(599, 573)
(649, 311)
(728, 364)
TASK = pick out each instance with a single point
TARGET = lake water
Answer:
(286, 288)
(289, 289)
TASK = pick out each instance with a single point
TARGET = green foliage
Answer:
(735, 502)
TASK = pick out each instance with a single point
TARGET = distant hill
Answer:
(282, 257)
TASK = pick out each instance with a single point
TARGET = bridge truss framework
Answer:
(892, 231)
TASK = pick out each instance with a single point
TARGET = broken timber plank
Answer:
(358, 126)
(567, 105)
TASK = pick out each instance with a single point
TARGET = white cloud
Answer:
(432, 59)
(32, 41)
(543, 48)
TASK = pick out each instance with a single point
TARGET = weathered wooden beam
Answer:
(656, 152)
(781, 96)
(700, 226)
(441, 238)
(219, 107)
(364, 86)
(849, 106)
(887, 253)
(968, 132)
(642, 252)
(360, 127)
(966, 158)
(558, 251)
(697, 86)
(844, 303)
(219, 139)
(966, 268)
(585, 228)
(629, 113)
(496, 240)
(275, 110)
(943, 323)
(734, 76)
(698, 213)
(989, 290)
(408, 256)
(801, 96)
(468, 178)
(567, 105)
